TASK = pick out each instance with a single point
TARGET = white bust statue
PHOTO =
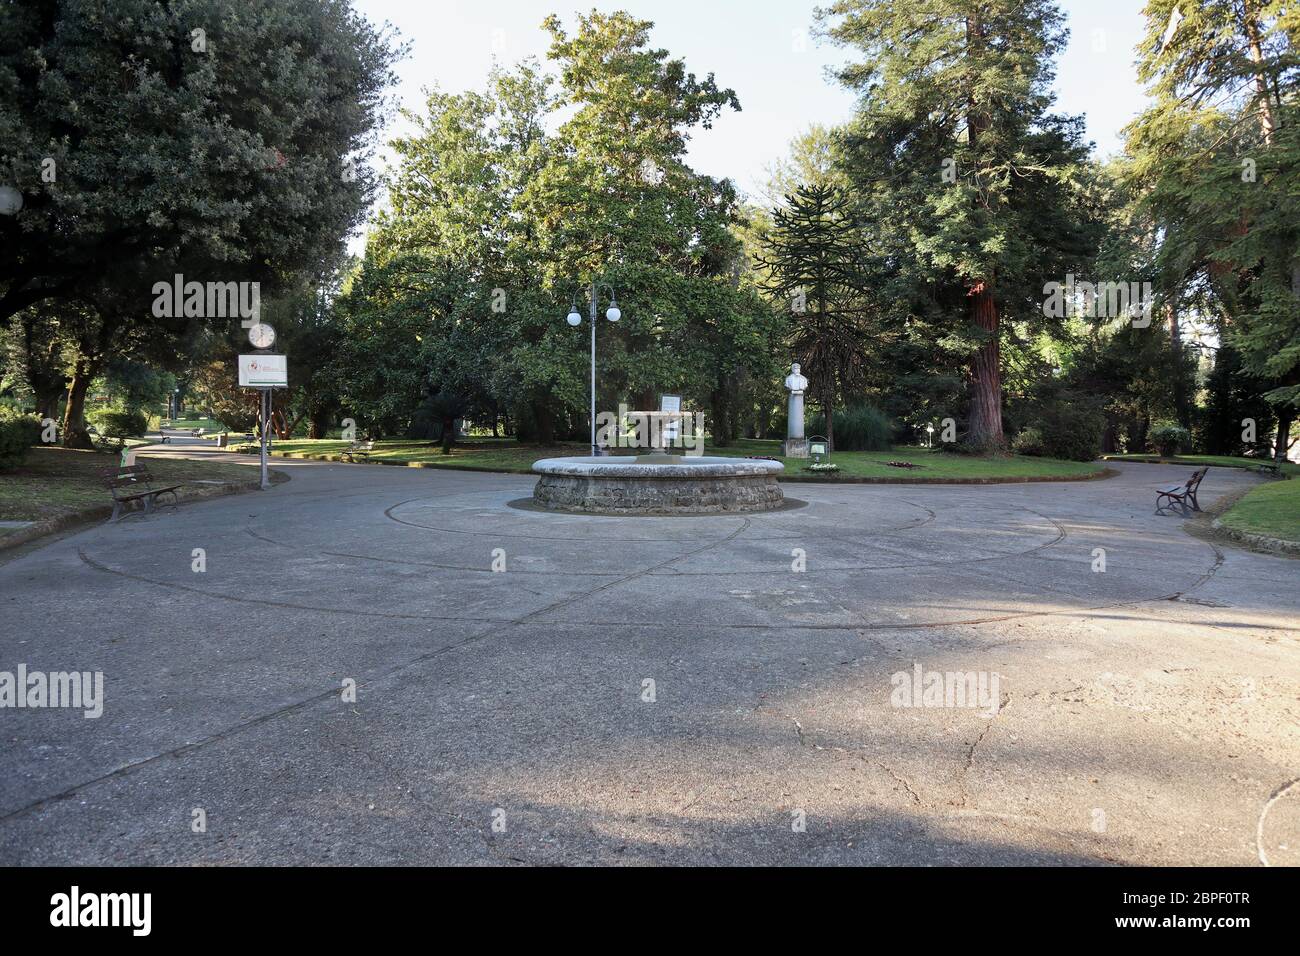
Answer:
(795, 382)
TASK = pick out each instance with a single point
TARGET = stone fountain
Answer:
(658, 484)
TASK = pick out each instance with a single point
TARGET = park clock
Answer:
(262, 336)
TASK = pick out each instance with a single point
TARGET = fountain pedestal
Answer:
(658, 485)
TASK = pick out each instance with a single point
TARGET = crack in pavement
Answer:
(970, 754)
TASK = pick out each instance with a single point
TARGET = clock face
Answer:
(262, 336)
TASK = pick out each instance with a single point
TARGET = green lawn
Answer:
(495, 455)
(210, 424)
(1221, 461)
(1272, 509)
(506, 455)
(929, 464)
(53, 482)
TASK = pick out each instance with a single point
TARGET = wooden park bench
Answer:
(1166, 498)
(132, 483)
(358, 451)
(192, 432)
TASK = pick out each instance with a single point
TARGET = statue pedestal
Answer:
(794, 448)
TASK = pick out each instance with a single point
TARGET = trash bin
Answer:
(222, 439)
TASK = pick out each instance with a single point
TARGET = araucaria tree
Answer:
(962, 171)
(811, 258)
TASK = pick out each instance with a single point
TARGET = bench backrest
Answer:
(1194, 481)
(128, 478)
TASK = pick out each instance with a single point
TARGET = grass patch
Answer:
(506, 455)
(493, 454)
(1272, 510)
(929, 464)
(1220, 461)
(211, 424)
(54, 482)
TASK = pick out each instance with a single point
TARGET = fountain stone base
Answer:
(658, 485)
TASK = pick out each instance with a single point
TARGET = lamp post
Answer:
(929, 436)
(613, 313)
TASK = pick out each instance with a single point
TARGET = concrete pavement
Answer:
(655, 690)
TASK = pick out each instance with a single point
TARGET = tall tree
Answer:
(1219, 155)
(812, 257)
(964, 173)
(214, 138)
(529, 218)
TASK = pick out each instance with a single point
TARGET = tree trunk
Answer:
(1250, 18)
(720, 410)
(986, 373)
(543, 423)
(1182, 408)
(1285, 416)
(828, 412)
(318, 425)
(74, 416)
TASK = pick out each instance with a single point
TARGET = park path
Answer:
(654, 690)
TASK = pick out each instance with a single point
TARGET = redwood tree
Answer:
(964, 173)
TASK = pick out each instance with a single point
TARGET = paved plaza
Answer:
(535, 688)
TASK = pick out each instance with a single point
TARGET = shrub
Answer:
(121, 424)
(1030, 442)
(1169, 438)
(1061, 429)
(17, 435)
(860, 428)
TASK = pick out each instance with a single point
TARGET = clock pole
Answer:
(266, 434)
(262, 337)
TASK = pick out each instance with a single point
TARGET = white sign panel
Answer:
(263, 371)
(670, 403)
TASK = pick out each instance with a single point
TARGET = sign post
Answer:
(264, 372)
(266, 436)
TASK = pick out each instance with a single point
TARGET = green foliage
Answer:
(18, 433)
(138, 386)
(973, 190)
(222, 153)
(1029, 441)
(1233, 402)
(120, 424)
(857, 428)
(1065, 428)
(1169, 438)
(1216, 156)
(812, 260)
(497, 228)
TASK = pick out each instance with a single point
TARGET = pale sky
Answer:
(759, 48)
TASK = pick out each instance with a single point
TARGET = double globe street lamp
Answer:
(613, 314)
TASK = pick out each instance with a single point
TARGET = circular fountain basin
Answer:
(658, 485)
